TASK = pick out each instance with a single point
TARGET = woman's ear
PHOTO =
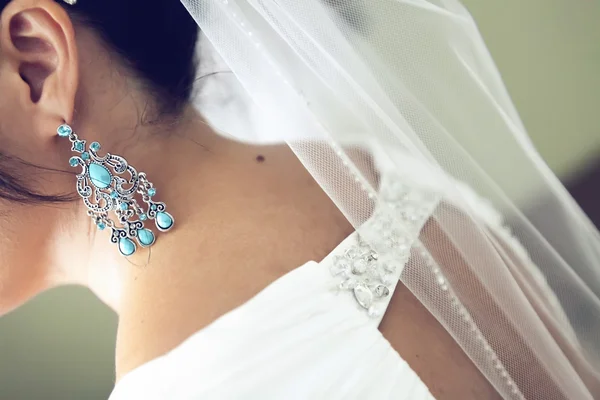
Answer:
(38, 62)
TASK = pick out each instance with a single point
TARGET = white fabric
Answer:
(300, 338)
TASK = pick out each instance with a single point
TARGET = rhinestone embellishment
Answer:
(370, 269)
(365, 275)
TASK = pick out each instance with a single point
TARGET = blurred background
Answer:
(61, 344)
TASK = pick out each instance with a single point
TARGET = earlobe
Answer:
(37, 41)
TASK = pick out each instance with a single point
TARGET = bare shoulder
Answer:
(431, 352)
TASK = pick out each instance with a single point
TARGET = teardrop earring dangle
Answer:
(103, 189)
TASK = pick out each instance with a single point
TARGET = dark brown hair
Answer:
(155, 39)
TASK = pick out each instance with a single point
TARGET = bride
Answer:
(316, 217)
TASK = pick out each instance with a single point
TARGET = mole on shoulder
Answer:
(260, 158)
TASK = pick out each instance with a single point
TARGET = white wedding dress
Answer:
(312, 334)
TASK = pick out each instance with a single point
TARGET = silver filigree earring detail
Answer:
(103, 190)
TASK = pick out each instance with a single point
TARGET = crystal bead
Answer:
(352, 253)
(359, 266)
(95, 146)
(372, 257)
(382, 291)
(349, 283)
(143, 217)
(73, 161)
(85, 156)
(151, 192)
(114, 194)
(386, 279)
(64, 130)
(101, 226)
(124, 206)
(375, 311)
(78, 146)
(363, 295)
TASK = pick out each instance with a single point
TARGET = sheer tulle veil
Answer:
(410, 84)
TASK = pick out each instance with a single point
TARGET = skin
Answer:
(52, 72)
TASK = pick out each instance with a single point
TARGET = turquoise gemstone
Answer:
(164, 221)
(85, 156)
(114, 194)
(124, 206)
(101, 226)
(100, 176)
(95, 146)
(151, 192)
(73, 161)
(79, 146)
(143, 217)
(126, 246)
(145, 237)
(64, 130)
(153, 207)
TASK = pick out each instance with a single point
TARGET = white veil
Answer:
(412, 82)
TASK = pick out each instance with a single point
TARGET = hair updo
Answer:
(155, 39)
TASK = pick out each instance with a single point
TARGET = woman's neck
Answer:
(230, 201)
(178, 160)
